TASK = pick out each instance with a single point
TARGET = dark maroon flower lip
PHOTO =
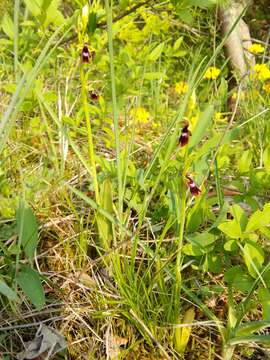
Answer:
(93, 95)
(85, 54)
(184, 137)
(192, 186)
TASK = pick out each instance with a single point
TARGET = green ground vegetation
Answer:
(134, 199)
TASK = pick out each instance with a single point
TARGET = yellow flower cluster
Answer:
(242, 95)
(192, 101)
(211, 73)
(140, 114)
(193, 121)
(261, 72)
(266, 88)
(181, 87)
(220, 117)
(256, 49)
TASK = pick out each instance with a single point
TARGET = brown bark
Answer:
(239, 40)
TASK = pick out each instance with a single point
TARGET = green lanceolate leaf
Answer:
(34, 6)
(251, 327)
(182, 334)
(264, 297)
(8, 26)
(156, 53)
(92, 23)
(27, 229)
(263, 339)
(254, 258)
(259, 219)
(104, 225)
(30, 283)
(7, 291)
(202, 126)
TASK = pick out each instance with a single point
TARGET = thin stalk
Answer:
(115, 108)
(91, 152)
(227, 352)
(178, 277)
(218, 185)
(179, 253)
(16, 39)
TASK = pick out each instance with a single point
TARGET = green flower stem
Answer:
(16, 39)
(178, 277)
(227, 352)
(108, 7)
(91, 152)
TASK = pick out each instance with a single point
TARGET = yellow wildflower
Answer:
(261, 72)
(211, 73)
(193, 122)
(266, 88)
(220, 117)
(192, 101)
(181, 87)
(256, 49)
(242, 95)
(140, 114)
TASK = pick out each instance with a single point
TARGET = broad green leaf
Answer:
(259, 219)
(178, 43)
(231, 245)
(245, 161)
(231, 273)
(237, 278)
(8, 26)
(202, 126)
(231, 228)
(243, 282)
(156, 53)
(182, 334)
(202, 239)
(30, 283)
(7, 291)
(27, 229)
(239, 216)
(185, 15)
(254, 258)
(214, 262)
(264, 297)
(192, 250)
